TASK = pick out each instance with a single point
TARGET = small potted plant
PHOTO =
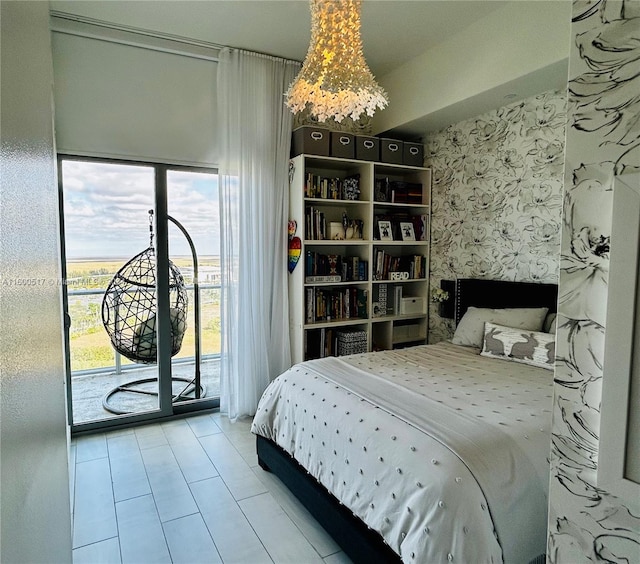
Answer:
(440, 297)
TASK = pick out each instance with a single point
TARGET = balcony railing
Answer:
(92, 353)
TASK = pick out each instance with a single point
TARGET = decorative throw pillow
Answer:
(470, 330)
(550, 323)
(530, 347)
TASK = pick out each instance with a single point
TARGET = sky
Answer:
(106, 210)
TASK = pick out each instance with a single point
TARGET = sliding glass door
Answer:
(194, 247)
(141, 290)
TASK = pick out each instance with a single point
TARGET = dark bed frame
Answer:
(359, 542)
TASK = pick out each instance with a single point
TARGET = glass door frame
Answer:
(167, 409)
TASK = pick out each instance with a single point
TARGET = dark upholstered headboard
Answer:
(503, 293)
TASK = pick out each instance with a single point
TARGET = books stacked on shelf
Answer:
(315, 224)
(332, 188)
(334, 304)
(405, 192)
(320, 343)
(397, 192)
(320, 268)
(389, 267)
(420, 224)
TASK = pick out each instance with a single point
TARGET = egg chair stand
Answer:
(129, 316)
(132, 388)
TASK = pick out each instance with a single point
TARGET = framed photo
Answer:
(385, 230)
(406, 228)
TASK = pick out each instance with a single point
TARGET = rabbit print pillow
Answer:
(530, 347)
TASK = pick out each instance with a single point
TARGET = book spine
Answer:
(397, 300)
(321, 279)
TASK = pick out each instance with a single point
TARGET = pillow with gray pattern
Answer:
(550, 323)
(529, 347)
(470, 329)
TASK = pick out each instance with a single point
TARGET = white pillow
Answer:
(470, 330)
(529, 347)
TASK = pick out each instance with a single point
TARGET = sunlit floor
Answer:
(88, 392)
(188, 491)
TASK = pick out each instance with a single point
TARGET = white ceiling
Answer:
(393, 31)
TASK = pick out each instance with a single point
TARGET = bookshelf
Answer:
(362, 279)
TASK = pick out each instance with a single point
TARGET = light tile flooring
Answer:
(187, 491)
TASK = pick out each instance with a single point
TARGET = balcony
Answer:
(96, 368)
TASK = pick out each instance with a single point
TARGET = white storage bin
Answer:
(410, 306)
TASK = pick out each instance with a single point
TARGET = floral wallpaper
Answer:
(587, 523)
(497, 197)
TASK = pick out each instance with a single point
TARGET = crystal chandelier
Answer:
(335, 81)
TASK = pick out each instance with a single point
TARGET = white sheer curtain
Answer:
(254, 141)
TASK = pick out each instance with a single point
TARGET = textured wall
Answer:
(36, 522)
(587, 523)
(497, 197)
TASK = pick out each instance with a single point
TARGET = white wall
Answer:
(522, 48)
(36, 518)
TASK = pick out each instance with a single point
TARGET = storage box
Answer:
(310, 140)
(367, 148)
(391, 151)
(404, 332)
(352, 342)
(410, 306)
(413, 154)
(343, 145)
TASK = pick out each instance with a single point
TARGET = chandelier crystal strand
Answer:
(335, 81)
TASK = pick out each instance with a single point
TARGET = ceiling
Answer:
(393, 31)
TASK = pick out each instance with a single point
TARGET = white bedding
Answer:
(442, 451)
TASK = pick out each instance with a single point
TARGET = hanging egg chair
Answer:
(129, 313)
(129, 308)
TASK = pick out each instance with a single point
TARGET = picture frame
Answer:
(386, 233)
(406, 229)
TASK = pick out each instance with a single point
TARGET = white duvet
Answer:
(442, 451)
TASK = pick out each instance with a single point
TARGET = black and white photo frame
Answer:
(386, 233)
(407, 232)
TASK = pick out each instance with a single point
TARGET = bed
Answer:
(434, 453)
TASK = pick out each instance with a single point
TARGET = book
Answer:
(361, 303)
(322, 279)
(397, 299)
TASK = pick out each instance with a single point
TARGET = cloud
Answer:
(106, 209)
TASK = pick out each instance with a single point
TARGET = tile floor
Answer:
(186, 491)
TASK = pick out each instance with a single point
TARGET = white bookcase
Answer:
(340, 297)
